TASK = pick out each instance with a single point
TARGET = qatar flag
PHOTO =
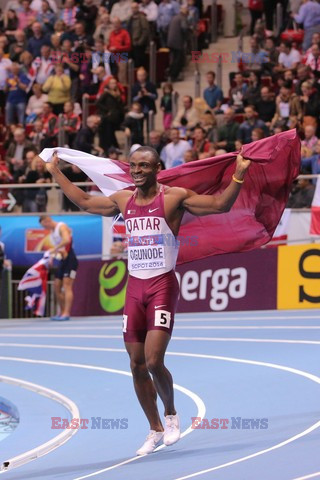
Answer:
(256, 213)
(315, 211)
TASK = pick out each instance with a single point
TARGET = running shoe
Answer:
(171, 429)
(152, 441)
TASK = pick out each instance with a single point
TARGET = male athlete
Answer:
(61, 237)
(153, 214)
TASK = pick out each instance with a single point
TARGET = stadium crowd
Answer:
(50, 58)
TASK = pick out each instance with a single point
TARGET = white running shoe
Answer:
(152, 441)
(171, 429)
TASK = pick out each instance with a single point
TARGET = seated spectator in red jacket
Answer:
(50, 124)
(70, 123)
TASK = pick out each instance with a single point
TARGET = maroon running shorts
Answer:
(150, 305)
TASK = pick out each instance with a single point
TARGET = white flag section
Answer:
(315, 211)
(281, 232)
(105, 173)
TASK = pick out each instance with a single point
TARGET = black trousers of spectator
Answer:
(176, 63)
(139, 56)
(107, 134)
(57, 108)
(255, 15)
(269, 7)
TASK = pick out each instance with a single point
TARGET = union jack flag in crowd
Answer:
(35, 282)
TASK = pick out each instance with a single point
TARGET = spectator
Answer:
(150, 9)
(173, 153)
(228, 133)
(103, 29)
(287, 105)
(312, 164)
(190, 156)
(166, 105)
(272, 53)
(5, 65)
(303, 74)
(213, 95)
(10, 23)
(25, 15)
(176, 42)
(237, 93)
(200, 143)
(309, 16)
(28, 68)
(71, 67)
(69, 14)
(43, 65)
(133, 124)
(313, 60)
(58, 87)
(16, 153)
(302, 195)
(251, 122)
(70, 123)
(289, 57)
(111, 109)
(122, 11)
(36, 199)
(46, 17)
(166, 11)
(310, 101)
(35, 103)
(257, 58)
(186, 112)
(38, 4)
(252, 94)
(79, 37)
(50, 124)
(84, 140)
(256, 9)
(310, 140)
(156, 141)
(144, 92)
(209, 124)
(88, 14)
(17, 84)
(37, 40)
(138, 28)
(37, 136)
(18, 46)
(266, 106)
(257, 134)
(120, 42)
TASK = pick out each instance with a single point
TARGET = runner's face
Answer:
(143, 169)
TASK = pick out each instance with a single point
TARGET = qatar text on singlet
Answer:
(152, 247)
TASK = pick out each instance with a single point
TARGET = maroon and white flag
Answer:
(256, 213)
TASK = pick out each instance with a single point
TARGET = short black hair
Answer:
(43, 217)
(152, 151)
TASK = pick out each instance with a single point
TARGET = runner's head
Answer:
(144, 167)
(47, 222)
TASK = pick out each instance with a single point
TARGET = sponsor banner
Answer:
(232, 282)
(237, 281)
(100, 287)
(298, 276)
(25, 241)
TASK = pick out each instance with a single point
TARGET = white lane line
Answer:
(186, 327)
(56, 441)
(200, 339)
(201, 409)
(312, 475)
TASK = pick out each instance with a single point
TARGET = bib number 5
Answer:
(162, 318)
